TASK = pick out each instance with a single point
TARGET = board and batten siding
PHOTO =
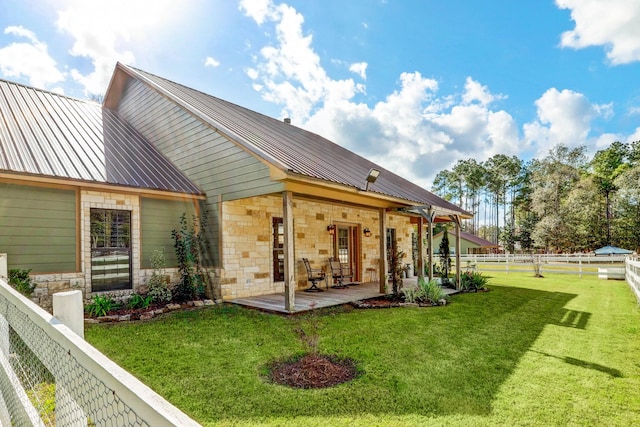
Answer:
(217, 165)
(38, 228)
(158, 218)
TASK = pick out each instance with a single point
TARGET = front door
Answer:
(347, 248)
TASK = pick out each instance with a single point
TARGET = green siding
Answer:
(158, 218)
(465, 245)
(38, 228)
(209, 159)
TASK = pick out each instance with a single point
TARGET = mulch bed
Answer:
(313, 371)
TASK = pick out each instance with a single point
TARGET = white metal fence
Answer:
(50, 376)
(632, 267)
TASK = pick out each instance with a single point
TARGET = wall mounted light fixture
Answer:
(367, 232)
(331, 229)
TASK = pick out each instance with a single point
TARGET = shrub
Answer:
(411, 294)
(21, 281)
(473, 281)
(396, 269)
(101, 305)
(158, 289)
(431, 291)
(139, 301)
(190, 243)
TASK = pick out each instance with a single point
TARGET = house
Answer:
(88, 192)
(469, 243)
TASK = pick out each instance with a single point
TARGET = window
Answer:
(277, 226)
(110, 250)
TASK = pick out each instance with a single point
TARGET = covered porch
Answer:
(331, 297)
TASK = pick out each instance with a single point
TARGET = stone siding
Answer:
(247, 247)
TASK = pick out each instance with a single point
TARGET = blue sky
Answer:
(413, 85)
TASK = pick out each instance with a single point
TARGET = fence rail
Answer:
(50, 376)
(578, 264)
(632, 267)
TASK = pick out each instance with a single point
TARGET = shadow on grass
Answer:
(435, 361)
(613, 373)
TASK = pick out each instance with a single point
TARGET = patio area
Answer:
(329, 298)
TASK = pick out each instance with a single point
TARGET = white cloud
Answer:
(474, 91)
(257, 9)
(107, 31)
(613, 24)
(563, 117)
(413, 131)
(360, 68)
(29, 59)
(211, 62)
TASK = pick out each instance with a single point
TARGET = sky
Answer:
(413, 85)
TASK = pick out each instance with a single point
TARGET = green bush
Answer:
(158, 288)
(473, 281)
(410, 294)
(101, 305)
(139, 301)
(431, 291)
(21, 281)
(190, 244)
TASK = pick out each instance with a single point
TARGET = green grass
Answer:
(551, 351)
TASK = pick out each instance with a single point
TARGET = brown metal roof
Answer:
(43, 133)
(291, 148)
(484, 243)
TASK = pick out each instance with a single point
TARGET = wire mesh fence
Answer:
(47, 379)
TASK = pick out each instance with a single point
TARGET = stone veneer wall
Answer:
(247, 242)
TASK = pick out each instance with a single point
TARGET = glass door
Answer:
(347, 249)
(110, 250)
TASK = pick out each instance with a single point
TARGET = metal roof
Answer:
(291, 148)
(47, 134)
(473, 239)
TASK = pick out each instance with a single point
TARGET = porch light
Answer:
(371, 178)
(331, 229)
(367, 232)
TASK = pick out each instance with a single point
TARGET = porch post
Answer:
(289, 260)
(430, 241)
(420, 264)
(456, 220)
(382, 268)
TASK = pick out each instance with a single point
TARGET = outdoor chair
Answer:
(338, 274)
(314, 275)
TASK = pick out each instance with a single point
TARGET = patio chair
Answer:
(338, 274)
(314, 275)
(348, 275)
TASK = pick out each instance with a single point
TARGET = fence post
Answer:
(67, 308)
(580, 267)
(506, 255)
(3, 267)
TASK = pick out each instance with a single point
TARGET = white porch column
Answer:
(289, 257)
(382, 276)
(420, 264)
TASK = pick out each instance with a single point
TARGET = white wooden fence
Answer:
(40, 358)
(579, 264)
(632, 267)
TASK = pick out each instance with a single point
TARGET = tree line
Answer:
(564, 202)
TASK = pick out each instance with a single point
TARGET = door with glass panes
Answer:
(347, 248)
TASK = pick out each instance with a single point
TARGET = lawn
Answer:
(553, 351)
